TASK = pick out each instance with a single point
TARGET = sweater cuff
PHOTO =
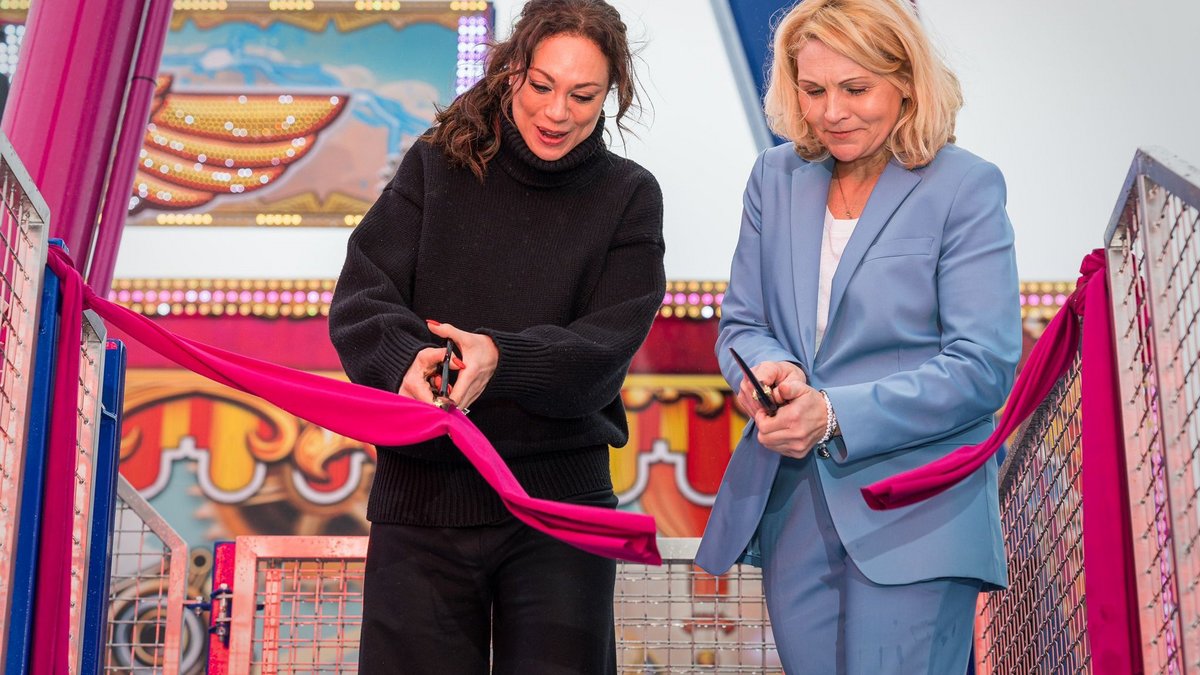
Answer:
(395, 356)
(524, 368)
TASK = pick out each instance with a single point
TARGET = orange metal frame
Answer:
(250, 550)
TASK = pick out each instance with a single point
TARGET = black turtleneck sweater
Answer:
(560, 263)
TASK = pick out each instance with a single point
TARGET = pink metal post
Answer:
(65, 104)
(61, 117)
(129, 142)
(224, 572)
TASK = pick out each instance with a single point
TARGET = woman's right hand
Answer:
(424, 374)
(797, 427)
(785, 379)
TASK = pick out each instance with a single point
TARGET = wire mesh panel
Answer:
(1153, 267)
(305, 611)
(679, 619)
(146, 591)
(1175, 242)
(104, 501)
(1132, 318)
(23, 221)
(312, 615)
(87, 430)
(1039, 625)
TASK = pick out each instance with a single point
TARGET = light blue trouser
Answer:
(829, 619)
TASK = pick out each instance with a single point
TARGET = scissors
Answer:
(761, 391)
(441, 395)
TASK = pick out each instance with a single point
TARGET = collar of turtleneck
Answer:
(518, 160)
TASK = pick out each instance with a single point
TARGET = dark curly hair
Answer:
(468, 130)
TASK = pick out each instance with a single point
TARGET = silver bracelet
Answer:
(830, 420)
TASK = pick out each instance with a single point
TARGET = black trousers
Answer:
(436, 598)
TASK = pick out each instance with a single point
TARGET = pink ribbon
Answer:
(359, 412)
(1108, 558)
(1052, 355)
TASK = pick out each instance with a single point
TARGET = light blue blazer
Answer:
(920, 349)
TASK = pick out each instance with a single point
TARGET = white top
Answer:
(833, 243)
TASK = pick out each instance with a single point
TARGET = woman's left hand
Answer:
(479, 358)
(784, 379)
(796, 427)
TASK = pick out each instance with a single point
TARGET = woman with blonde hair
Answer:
(874, 293)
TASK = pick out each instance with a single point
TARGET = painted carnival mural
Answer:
(267, 117)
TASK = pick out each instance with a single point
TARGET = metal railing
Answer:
(87, 436)
(680, 619)
(23, 228)
(1039, 625)
(1153, 248)
(297, 607)
(310, 593)
(94, 630)
(147, 559)
(149, 566)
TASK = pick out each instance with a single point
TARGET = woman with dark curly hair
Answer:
(511, 230)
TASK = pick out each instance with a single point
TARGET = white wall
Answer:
(1059, 94)
(698, 143)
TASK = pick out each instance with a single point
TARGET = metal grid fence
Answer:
(309, 590)
(680, 619)
(87, 431)
(1153, 268)
(1039, 625)
(305, 611)
(146, 591)
(23, 220)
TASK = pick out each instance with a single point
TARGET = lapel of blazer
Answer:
(893, 187)
(810, 192)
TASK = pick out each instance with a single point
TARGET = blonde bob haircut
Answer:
(884, 37)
